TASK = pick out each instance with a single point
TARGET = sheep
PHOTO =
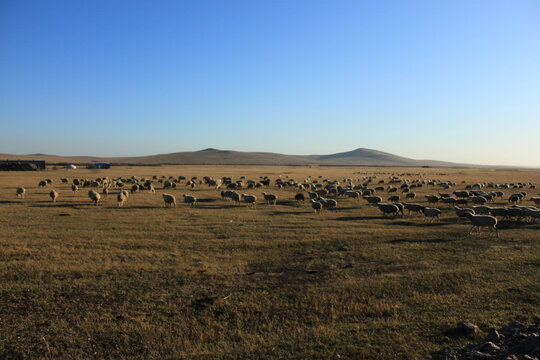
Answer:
(20, 192)
(355, 194)
(432, 213)
(54, 195)
(372, 199)
(480, 221)
(250, 199)
(461, 193)
(516, 212)
(235, 197)
(410, 195)
(169, 200)
(299, 197)
(478, 199)
(532, 213)
(536, 200)
(316, 205)
(151, 188)
(94, 196)
(105, 191)
(64, 180)
(417, 208)
(497, 211)
(121, 198)
(270, 198)
(394, 198)
(125, 193)
(74, 188)
(134, 188)
(328, 203)
(514, 198)
(432, 199)
(42, 183)
(460, 212)
(189, 199)
(386, 208)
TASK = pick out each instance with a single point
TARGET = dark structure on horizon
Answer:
(22, 165)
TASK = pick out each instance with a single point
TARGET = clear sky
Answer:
(445, 80)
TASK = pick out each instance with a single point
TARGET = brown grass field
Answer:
(221, 281)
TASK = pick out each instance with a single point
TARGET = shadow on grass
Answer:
(57, 205)
(354, 218)
(277, 213)
(418, 241)
(12, 201)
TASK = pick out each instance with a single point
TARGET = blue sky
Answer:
(446, 80)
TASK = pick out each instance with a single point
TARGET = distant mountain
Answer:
(211, 156)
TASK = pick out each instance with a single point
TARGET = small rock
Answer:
(466, 328)
(480, 355)
(489, 347)
(512, 328)
(495, 336)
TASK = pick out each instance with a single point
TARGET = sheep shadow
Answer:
(57, 205)
(277, 213)
(411, 241)
(354, 218)
(420, 224)
(206, 200)
(11, 201)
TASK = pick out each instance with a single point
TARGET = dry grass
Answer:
(224, 281)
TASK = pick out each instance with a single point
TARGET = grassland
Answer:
(224, 281)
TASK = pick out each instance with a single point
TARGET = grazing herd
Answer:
(470, 203)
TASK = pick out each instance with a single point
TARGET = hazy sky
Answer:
(445, 80)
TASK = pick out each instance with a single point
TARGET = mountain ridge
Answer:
(212, 156)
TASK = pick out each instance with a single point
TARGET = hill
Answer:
(358, 157)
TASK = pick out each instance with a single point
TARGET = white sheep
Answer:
(20, 192)
(94, 196)
(54, 195)
(460, 212)
(412, 207)
(169, 200)
(480, 221)
(372, 199)
(121, 198)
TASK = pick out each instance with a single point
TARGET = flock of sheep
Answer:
(470, 202)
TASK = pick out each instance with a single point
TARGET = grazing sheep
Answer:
(54, 195)
(536, 200)
(389, 209)
(355, 194)
(74, 188)
(461, 193)
(328, 203)
(270, 198)
(431, 213)
(42, 183)
(372, 199)
(480, 221)
(169, 200)
(316, 205)
(394, 198)
(299, 197)
(20, 192)
(411, 207)
(121, 198)
(513, 212)
(94, 196)
(250, 199)
(134, 188)
(235, 197)
(497, 211)
(432, 199)
(514, 198)
(481, 210)
(478, 199)
(189, 199)
(410, 195)
(460, 212)
(105, 191)
(64, 180)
